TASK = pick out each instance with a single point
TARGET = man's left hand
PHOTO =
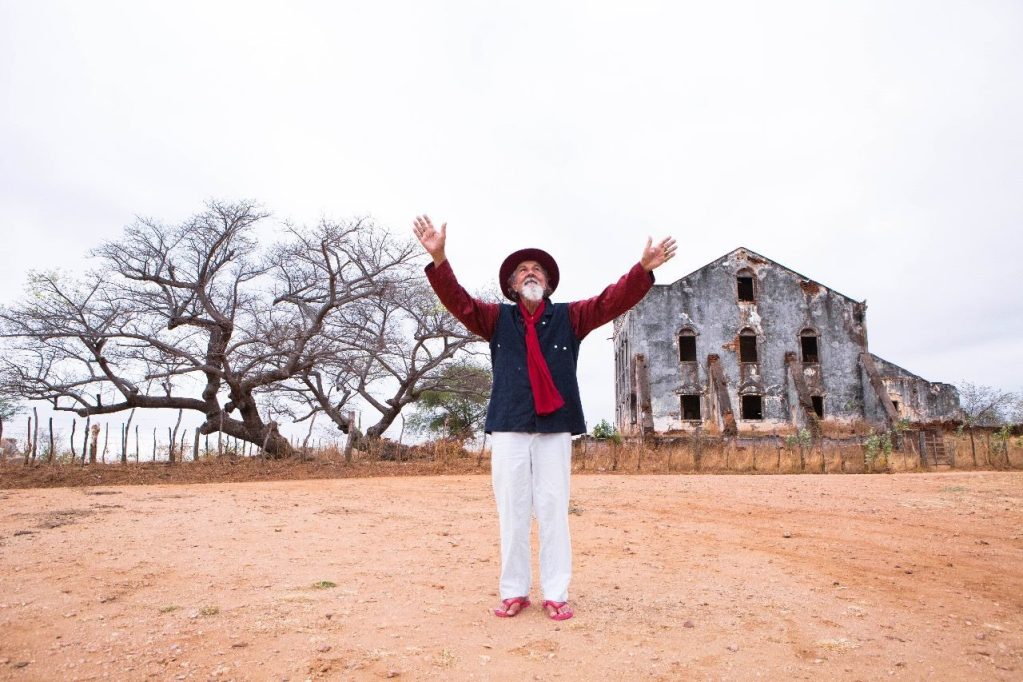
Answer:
(656, 255)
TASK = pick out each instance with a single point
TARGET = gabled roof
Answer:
(736, 251)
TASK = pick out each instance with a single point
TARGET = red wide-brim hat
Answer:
(545, 260)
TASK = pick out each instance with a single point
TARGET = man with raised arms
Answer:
(534, 404)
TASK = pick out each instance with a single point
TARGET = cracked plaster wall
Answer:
(786, 303)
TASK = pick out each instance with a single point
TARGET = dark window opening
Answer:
(747, 348)
(687, 347)
(818, 405)
(745, 283)
(809, 345)
(691, 407)
(632, 407)
(896, 404)
(752, 407)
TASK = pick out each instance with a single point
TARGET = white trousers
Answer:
(530, 474)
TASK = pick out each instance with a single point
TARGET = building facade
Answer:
(745, 344)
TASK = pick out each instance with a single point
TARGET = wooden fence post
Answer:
(93, 443)
(35, 434)
(53, 448)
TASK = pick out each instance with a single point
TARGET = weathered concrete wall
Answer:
(918, 400)
(785, 305)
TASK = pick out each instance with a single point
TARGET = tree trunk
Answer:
(483, 447)
(309, 433)
(386, 419)
(174, 436)
(350, 443)
(85, 438)
(74, 425)
(124, 444)
(250, 429)
(53, 447)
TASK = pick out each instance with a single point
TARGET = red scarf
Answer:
(545, 393)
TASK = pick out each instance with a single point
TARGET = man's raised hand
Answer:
(431, 238)
(656, 255)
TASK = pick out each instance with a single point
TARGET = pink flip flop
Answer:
(558, 613)
(523, 603)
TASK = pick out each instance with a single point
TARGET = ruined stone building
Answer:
(746, 345)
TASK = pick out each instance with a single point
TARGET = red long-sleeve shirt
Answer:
(480, 317)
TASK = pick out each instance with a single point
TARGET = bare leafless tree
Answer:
(984, 406)
(197, 317)
(8, 409)
(399, 344)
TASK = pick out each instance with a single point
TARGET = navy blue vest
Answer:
(511, 400)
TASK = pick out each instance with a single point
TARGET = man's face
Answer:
(527, 273)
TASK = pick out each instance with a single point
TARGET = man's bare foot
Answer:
(511, 607)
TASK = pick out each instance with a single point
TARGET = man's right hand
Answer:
(431, 238)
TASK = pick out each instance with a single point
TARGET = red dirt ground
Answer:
(906, 577)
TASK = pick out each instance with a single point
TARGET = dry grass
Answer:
(709, 456)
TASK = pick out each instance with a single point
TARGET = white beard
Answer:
(532, 292)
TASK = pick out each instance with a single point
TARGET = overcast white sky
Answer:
(873, 146)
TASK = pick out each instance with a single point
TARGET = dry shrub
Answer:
(221, 470)
(448, 457)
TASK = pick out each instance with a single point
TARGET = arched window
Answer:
(747, 345)
(746, 285)
(687, 345)
(809, 346)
